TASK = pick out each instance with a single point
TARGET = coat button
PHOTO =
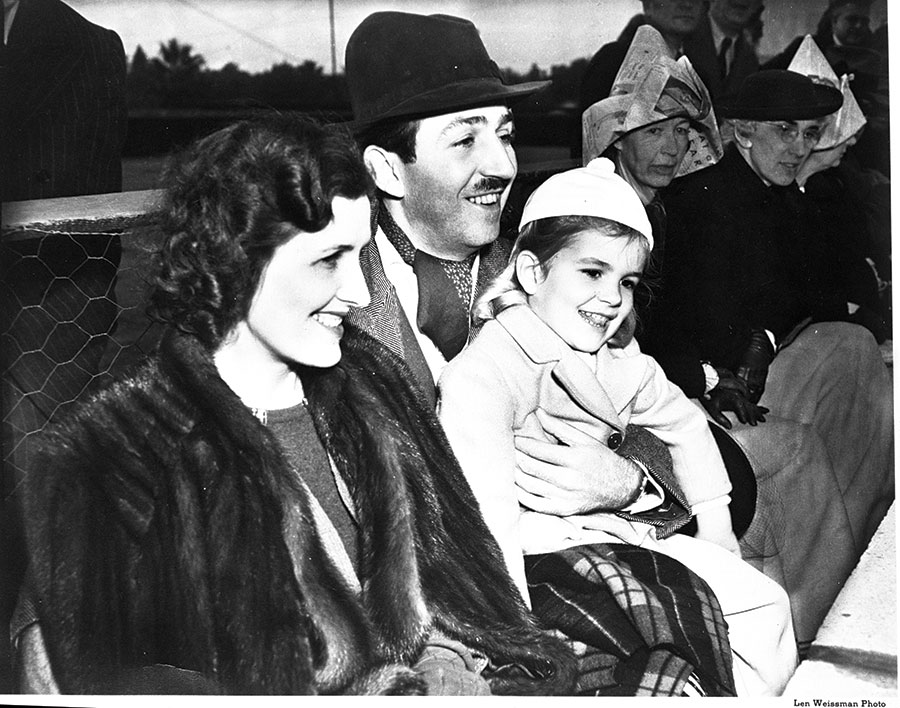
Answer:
(614, 440)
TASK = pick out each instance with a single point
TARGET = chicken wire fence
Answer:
(73, 309)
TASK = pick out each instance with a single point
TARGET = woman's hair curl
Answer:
(232, 198)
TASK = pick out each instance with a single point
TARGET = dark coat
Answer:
(155, 531)
(601, 71)
(63, 114)
(739, 257)
(598, 77)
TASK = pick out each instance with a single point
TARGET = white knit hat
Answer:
(810, 61)
(594, 190)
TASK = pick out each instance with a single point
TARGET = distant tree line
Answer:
(178, 78)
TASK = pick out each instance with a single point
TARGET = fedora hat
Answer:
(400, 65)
(778, 94)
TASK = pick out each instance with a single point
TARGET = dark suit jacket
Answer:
(701, 50)
(739, 256)
(64, 115)
(63, 124)
(598, 77)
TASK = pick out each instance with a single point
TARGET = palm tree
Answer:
(177, 59)
(180, 72)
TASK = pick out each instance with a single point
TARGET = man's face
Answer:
(850, 24)
(455, 190)
(651, 154)
(675, 17)
(733, 15)
(778, 149)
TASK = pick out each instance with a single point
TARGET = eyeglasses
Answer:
(789, 132)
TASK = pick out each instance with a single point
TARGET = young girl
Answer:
(542, 371)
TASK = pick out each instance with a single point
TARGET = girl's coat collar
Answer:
(544, 347)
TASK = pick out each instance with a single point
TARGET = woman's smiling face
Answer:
(307, 289)
(587, 289)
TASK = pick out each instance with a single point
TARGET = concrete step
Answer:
(855, 650)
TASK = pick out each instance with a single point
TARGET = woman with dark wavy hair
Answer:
(265, 506)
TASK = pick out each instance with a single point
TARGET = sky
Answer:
(255, 34)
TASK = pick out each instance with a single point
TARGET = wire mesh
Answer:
(73, 314)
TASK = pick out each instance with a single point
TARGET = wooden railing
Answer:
(97, 213)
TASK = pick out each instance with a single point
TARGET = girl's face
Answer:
(587, 289)
(307, 289)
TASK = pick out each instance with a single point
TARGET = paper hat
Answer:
(593, 190)
(652, 86)
(810, 62)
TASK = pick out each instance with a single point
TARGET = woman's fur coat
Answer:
(155, 537)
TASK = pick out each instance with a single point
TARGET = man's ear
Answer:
(529, 272)
(385, 168)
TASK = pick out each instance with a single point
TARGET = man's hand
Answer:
(731, 394)
(577, 475)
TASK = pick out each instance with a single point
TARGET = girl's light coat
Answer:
(490, 392)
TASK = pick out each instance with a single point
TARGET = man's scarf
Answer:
(445, 290)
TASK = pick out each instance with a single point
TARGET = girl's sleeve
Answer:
(475, 407)
(661, 407)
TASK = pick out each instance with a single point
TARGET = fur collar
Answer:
(155, 526)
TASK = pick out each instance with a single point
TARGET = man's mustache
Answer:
(491, 184)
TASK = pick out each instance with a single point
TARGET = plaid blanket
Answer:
(642, 623)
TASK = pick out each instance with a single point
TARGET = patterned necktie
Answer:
(445, 290)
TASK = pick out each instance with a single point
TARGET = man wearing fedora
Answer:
(432, 116)
(739, 282)
(433, 119)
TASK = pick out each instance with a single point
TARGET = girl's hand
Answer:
(714, 525)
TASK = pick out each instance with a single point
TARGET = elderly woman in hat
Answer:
(736, 281)
(265, 506)
(853, 267)
(658, 123)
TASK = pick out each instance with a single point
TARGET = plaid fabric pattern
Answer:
(641, 622)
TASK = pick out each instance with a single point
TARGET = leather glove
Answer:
(754, 366)
(732, 394)
(447, 672)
